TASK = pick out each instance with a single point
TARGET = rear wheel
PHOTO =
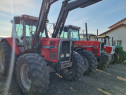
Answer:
(104, 61)
(91, 60)
(115, 58)
(77, 69)
(5, 52)
(102, 65)
(32, 74)
(86, 64)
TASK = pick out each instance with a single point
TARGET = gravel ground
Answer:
(110, 81)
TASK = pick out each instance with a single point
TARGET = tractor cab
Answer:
(104, 39)
(108, 48)
(23, 31)
(70, 32)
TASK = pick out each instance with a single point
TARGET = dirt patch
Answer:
(110, 81)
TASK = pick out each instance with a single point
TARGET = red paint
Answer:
(10, 41)
(86, 44)
(108, 49)
(45, 52)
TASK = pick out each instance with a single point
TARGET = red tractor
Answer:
(37, 55)
(79, 46)
(86, 48)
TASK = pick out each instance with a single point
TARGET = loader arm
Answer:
(41, 26)
(66, 8)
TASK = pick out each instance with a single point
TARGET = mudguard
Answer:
(10, 42)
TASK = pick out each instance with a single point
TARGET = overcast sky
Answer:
(98, 16)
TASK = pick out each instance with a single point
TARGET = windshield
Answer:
(30, 29)
(74, 34)
(104, 40)
(70, 33)
(64, 34)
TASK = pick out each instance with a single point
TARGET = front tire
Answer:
(91, 60)
(76, 71)
(32, 74)
(5, 56)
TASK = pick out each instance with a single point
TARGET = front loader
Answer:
(88, 57)
(37, 55)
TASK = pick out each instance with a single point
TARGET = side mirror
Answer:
(11, 21)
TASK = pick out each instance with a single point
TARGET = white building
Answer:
(117, 34)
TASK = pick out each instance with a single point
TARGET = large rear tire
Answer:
(104, 60)
(115, 58)
(32, 74)
(76, 71)
(91, 60)
(103, 65)
(5, 56)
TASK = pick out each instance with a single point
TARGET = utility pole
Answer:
(97, 34)
(86, 31)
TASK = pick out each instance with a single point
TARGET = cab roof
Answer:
(71, 26)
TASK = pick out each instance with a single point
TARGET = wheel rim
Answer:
(2, 65)
(68, 70)
(118, 57)
(25, 77)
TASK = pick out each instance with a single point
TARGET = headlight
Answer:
(68, 55)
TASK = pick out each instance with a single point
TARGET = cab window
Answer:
(74, 34)
(19, 32)
(30, 30)
(64, 34)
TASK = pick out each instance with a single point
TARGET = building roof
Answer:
(88, 34)
(102, 36)
(118, 23)
(112, 29)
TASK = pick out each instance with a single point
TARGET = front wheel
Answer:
(32, 74)
(5, 56)
(92, 61)
(77, 69)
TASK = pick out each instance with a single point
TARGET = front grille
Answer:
(65, 51)
(53, 55)
(52, 43)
